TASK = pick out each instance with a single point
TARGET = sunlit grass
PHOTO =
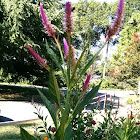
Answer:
(12, 132)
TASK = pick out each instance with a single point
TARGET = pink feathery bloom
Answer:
(117, 22)
(66, 48)
(68, 19)
(86, 84)
(38, 59)
(93, 122)
(47, 24)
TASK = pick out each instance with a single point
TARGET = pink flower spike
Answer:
(68, 19)
(47, 24)
(86, 84)
(66, 48)
(117, 22)
(38, 59)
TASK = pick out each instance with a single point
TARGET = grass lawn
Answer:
(13, 93)
(12, 132)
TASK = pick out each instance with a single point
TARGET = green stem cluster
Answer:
(71, 82)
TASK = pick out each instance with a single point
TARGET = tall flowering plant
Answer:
(60, 109)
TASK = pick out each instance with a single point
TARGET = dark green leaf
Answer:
(53, 87)
(90, 62)
(53, 55)
(25, 135)
(87, 99)
(68, 133)
(54, 58)
(49, 106)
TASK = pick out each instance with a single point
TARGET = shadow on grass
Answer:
(17, 93)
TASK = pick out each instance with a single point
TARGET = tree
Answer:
(21, 23)
(127, 56)
(90, 21)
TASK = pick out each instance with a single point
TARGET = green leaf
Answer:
(90, 62)
(53, 55)
(68, 133)
(49, 106)
(78, 63)
(54, 58)
(25, 135)
(53, 87)
(61, 130)
(87, 99)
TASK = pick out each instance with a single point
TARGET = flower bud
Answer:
(66, 48)
(53, 129)
(88, 131)
(93, 122)
(86, 84)
(46, 138)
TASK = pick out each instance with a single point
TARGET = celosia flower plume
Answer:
(86, 84)
(39, 60)
(66, 48)
(47, 24)
(117, 22)
(68, 19)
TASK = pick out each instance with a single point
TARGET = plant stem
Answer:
(88, 65)
(61, 54)
(78, 63)
(59, 47)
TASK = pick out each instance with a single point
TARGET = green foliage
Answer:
(127, 130)
(90, 20)
(53, 88)
(25, 135)
(128, 54)
(87, 99)
(20, 23)
(64, 112)
(129, 101)
(50, 107)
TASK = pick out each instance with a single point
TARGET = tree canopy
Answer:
(20, 24)
(127, 57)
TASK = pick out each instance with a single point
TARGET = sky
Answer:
(108, 1)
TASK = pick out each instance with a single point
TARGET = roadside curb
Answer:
(16, 122)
